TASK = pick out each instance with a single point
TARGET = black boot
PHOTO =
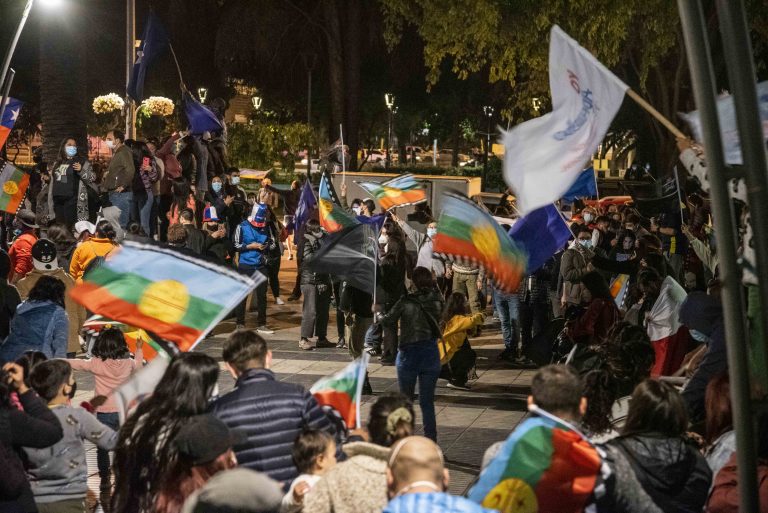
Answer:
(367, 389)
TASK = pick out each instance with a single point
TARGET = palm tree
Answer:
(63, 98)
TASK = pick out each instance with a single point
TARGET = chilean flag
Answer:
(12, 109)
(668, 337)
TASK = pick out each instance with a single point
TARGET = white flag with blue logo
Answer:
(544, 156)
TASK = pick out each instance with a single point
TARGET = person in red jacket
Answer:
(21, 248)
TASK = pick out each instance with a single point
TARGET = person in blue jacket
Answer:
(253, 243)
(40, 323)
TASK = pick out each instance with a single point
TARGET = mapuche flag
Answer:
(10, 115)
(400, 191)
(544, 156)
(342, 391)
(466, 233)
(543, 466)
(14, 183)
(332, 217)
(175, 296)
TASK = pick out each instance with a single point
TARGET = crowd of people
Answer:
(624, 323)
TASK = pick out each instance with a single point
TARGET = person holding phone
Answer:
(71, 176)
(143, 197)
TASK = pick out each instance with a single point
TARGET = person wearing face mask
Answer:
(573, 266)
(703, 316)
(239, 208)
(253, 242)
(58, 474)
(417, 480)
(71, 175)
(423, 243)
(118, 179)
(588, 215)
(218, 198)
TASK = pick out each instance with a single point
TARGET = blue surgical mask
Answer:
(71, 151)
(699, 336)
(431, 232)
(585, 243)
(235, 180)
(216, 186)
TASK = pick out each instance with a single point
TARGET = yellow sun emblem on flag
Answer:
(10, 188)
(165, 300)
(512, 496)
(486, 241)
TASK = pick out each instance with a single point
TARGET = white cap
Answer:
(84, 226)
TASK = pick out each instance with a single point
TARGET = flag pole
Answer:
(178, 68)
(343, 159)
(655, 113)
(597, 189)
(679, 195)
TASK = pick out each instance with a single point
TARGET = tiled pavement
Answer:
(468, 421)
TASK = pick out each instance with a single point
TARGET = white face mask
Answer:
(111, 144)
(588, 218)
(356, 210)
(383, 239)
(431, 232)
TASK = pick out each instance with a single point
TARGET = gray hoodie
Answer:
(59, 472)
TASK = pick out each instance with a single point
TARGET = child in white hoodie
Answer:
(314, 453)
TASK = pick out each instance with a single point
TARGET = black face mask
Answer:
(72, 390)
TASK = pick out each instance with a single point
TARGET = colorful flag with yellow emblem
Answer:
(542, 467)
(398, 192)
(96, 324)
(14, 187)
(175, 296)
(467, 233)
(332, 217)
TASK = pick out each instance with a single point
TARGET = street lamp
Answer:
(202, 93)
(389, 99)
(488, 110)
(256, 101)
(536, 103)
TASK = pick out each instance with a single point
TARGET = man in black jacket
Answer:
(270, 413)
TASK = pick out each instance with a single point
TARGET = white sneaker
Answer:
(279, 301)
(264, 330)
(306, 345)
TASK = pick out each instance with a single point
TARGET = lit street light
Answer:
(202, 93)
(256, 101)
(6, 87)
(389, 99)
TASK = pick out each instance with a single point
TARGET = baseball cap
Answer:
(84, 226)
(204, 438)
(239, 490)
(44, 255)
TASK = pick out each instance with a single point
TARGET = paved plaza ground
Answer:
(467, 421)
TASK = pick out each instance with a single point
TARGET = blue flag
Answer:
(154, 40)
(585, 186)
(307, 203)
(200, 118)
(541, 234)
(376, 221)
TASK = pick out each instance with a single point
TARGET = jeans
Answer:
(314, 310)
(102, 457)
(146, 202)
(261, 298)
(420, 361)
(122, 200)
(509, 313)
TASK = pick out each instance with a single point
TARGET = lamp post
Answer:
(256, 102)
(389, 99)
(488, 111)
(5, 88)
(202, 93)
(130, 60)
